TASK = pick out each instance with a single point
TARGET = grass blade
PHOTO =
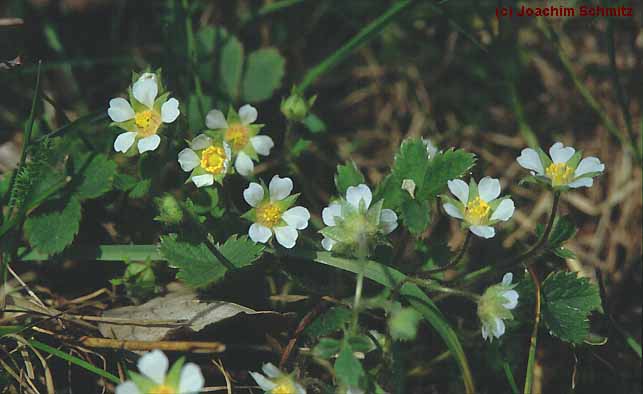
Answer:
(364, 35)
(74, 360)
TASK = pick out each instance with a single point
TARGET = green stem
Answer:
(456, 260)
(358, 296)
(531, 361)
(364, 35)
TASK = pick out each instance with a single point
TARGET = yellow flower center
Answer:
(213, 160)
(286, 387)
(147, 122)
(477, 211)
(268, 214)
(162, 389)
(237, 136)
(559, 173)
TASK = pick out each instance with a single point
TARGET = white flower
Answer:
(240, 133)
(272, 213)
(353, 219)
(276, 382)
(155, 378)
(143, 117)
(495, 307)
(431, 149)
(564, 169)
(207, 160)
(478, 205)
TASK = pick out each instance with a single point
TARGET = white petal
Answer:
(512, 299)
(330, 213)
(299, 389)
(582, 182)
(504, 211)
(452, 211)
(589, 164)
(360, 192)
(145, 91)
(215, 120)
(485, 332)
(247, 114)
(489, 189)
(259, 233)
(244, 165)
(188, 159)
(354, 390)
(460, 189)
(280, 188)
(253, 194)
(530, 160)
(153, 365)
(200, 142)
(271, 370)
(148, 143)
(327, 243)
(388, 221)
(170, 110)
(262, 144)
(120, 110)
(128, 387)
(191, 380)
(265, 384)
(483, 231)
(286, 236)
(499, 329)
(203, 180)
(297, 217)
(560, 154)
(507, 278)
(124, 141)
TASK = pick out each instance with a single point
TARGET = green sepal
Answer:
(145, 385)
(160, 100)
(374, 213)
(473, 190)
(173, 377)
(575, 159)
(544, 158)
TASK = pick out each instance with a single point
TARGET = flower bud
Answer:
(169, 210)
(296, 107)
(495, 306)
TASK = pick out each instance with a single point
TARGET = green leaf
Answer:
(360, 343)
(125, 182)
(264, 71)
(300, 147)
(348, 368)
(96, 176)
(141, 188)
(218, 48)
(54, 225)
(198, 266)
(327, 348)
(347, 175)
(329, 322)
(445, 166)
(567, 303)
(415, 215)
(314, 124)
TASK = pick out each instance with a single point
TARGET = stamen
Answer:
(559, 173)
(237, 136)
(213, 160)
(269, 215)
(477, 211)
